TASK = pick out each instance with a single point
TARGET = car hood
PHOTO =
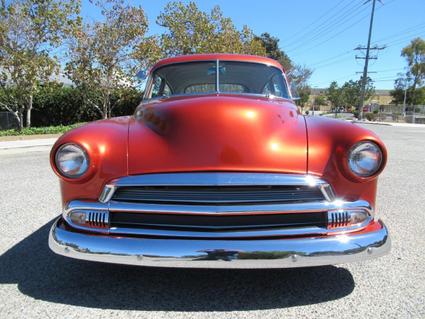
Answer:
(217, 133)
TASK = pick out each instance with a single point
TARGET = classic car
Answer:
(218, 168)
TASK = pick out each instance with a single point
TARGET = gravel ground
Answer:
(35, 283)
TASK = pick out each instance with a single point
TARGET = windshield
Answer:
(202, 78)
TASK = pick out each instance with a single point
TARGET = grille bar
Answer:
(97, 219)
(208, 222)
(218, 194)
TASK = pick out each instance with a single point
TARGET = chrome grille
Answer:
(338, 219)
(97, 219)
(218, 194)
(218, 204)
(217, 223)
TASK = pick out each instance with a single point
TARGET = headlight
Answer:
(365, 159)
(71, 161)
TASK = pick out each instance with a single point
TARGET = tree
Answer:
(414, 78)
(105, 56)
(304, 95)
(29, 31)
(271, 45)
(348, 95)
(320, 100)
(298, 78)
(334, 95)
(413, 97)
(190, 30)
(415, 56)
(401, 84)
(351, 92)
(299, 75)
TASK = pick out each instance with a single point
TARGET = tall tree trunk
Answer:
(106, 106)
(413, 99)
(20, 117)
(29, 109)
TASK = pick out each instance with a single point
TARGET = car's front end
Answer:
(241, 220)
(219, 180)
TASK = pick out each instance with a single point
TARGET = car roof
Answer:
(218, 56)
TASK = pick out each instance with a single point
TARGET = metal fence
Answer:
(401, 114)
(8, 121)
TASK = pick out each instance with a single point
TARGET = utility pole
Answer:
(406, 85)
(366, 58)
(404, 99)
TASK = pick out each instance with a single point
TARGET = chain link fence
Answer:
(8, 121)
(400, 114)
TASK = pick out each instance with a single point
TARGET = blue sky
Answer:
(321, 34)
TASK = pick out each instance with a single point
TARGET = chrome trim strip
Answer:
(215, 210)
(223, 234)
(107, 193)
(327, 192)
(228, 234)
(216, 179)
(220, 211)
(260, 253)
(217, 77)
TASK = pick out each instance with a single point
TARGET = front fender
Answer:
(106, 144)
(329, 141)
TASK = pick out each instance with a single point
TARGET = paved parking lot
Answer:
(35, 283)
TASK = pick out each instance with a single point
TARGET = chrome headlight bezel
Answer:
(365, 159)
(81, 161)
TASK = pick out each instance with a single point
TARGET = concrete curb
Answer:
(372, 123)
(6, 145)
(390, 124)
(28, 137)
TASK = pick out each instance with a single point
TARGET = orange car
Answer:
(217, 168)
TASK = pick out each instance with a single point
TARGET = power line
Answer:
(337, 79)
(330, 58)
(335, 35)
(335, 27)
(308, 33)
(390, 70)
(330, 63)
(405, 37)
(346, 11)
(403, 32)
(306, 28)
(343, 20)
(401, 40)
(388, 80)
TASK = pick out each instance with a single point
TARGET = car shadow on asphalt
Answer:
(41, 274)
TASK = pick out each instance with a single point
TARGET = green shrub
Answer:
(125, 101)
(55, 104)
(371, 116)
(40, 130)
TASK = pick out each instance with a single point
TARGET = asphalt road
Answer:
(35, 283)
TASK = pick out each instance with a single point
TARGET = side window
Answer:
(159, 87)
(276, 86)
(166, 91)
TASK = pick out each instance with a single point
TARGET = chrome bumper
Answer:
(200, 253)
